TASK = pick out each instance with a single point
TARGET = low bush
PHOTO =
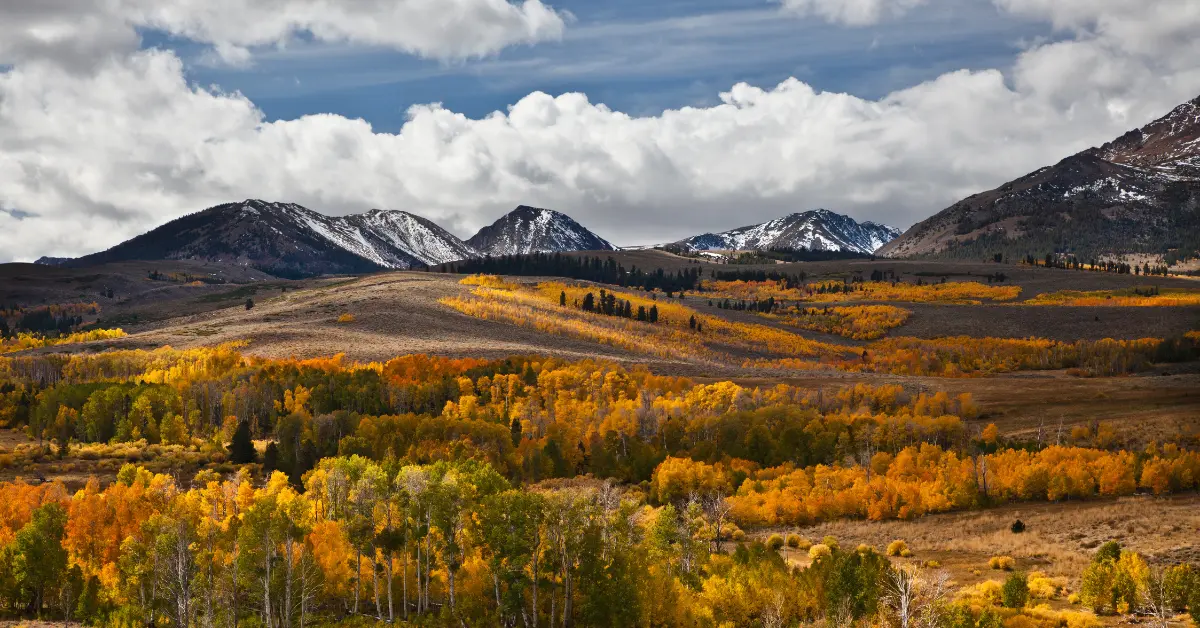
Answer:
(895, 547)
(1005, 563)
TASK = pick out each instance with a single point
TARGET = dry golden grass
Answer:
(1137, 297)
(1058, 541)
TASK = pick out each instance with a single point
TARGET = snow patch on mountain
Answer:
(819, 229)
(389, 238)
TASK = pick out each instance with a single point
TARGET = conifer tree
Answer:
(241, 448)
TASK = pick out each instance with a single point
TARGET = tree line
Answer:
(586, 268)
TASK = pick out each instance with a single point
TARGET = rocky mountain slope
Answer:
(1137, 194)
(533, 230)
(819, 229)
(292, 241)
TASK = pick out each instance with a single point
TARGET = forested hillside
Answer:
(522, 491)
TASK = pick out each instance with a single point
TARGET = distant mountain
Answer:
(289, 240)
(51, 261)
(1137, 194)
(819, 229)
(533, 230)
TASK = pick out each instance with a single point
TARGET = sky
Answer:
(645, 121)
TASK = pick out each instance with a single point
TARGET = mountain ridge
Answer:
(287, 239)
(817, 229)
(1139, 193)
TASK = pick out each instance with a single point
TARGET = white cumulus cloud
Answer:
(851, 12)
(84, 32)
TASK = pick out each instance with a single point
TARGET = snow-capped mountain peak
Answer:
(818, 229)
(535, 230)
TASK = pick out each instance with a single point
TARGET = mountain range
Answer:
(289, 240)
(1139, 193)
(818, 229)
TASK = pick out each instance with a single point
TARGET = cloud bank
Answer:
(96, 148)
(851, 12)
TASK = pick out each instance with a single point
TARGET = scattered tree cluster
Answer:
(1070, 262)
(44, 320)
(585, 268)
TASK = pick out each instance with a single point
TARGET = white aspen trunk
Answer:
(404, 577)
(391, 608)
(268, 618)
(285, 615)
(357, 578)
(375, 581)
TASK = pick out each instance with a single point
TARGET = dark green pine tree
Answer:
(515, 430)
(562, 298)
(270, 458)
(653, 313)
(241, 448)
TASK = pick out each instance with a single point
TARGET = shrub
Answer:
(863, 548)
(775, 542)
(1015, 592)
(1067, 618)
(1021, 621)
(738, 535)
(932, 564)
(905, 553)
(1043, 587)
(895, 547)
(346, 318)
(1005, 563)
(819, 550)
(793, 541)
(830, 542)
(985, 593)
(1017, 526)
